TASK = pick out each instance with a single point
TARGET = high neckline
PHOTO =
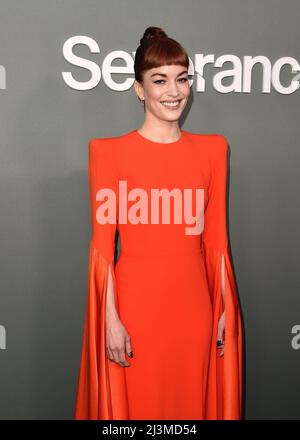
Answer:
(149, 141)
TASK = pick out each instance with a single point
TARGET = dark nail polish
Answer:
(131, 354)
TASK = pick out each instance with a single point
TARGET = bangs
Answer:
(165, 53)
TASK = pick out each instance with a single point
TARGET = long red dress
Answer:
(168, 289)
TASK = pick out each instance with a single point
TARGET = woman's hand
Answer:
(221, 333)
(117, 341)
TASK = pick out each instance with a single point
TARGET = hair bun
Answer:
(153, 33)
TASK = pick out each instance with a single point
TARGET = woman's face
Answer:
(166, 90)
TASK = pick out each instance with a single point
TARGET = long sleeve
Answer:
(101, 389)
(224, 388)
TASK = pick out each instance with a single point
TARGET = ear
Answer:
(139, 89)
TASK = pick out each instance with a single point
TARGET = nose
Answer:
(173, 89)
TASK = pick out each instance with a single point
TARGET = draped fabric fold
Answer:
(224, 386)
(101, 387)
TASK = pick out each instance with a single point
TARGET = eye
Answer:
(160, 81)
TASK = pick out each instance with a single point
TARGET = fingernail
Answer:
(131, 354)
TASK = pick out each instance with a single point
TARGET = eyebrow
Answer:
(164, 75)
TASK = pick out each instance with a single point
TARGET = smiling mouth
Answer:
(171, 103)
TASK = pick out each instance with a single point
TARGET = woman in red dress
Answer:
(156, 343)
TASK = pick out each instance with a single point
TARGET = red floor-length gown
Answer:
(168, 289)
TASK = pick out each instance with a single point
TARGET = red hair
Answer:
(157, 49)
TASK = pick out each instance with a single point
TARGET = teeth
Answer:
(170, 104)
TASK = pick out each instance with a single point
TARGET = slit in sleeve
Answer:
(101, 387)
(224, 387)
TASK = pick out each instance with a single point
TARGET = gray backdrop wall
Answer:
(47, 119)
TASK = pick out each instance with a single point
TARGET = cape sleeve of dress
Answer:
(101, 390)
(224, 387)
